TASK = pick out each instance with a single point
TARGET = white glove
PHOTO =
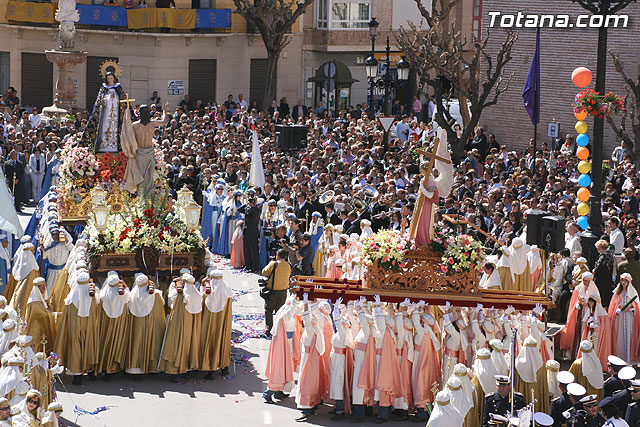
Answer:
(305, 298)
(577, 306)
(362, 300)
(618, 311)
(510, 309)
(406, 302)
(377, 299)
(478, 308)
(338, 301)
(447, 306)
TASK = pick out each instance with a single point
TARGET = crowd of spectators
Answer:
(495, 184)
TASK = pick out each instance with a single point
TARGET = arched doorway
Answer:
(332, 86)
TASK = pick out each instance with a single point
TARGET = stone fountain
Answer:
(65, 58)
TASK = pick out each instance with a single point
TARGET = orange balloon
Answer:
(582, 153)
(584, 194)
(581, 77)
(581, 115)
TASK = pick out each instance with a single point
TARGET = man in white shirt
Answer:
(37, 169)
(573, 239)
(35, 118)
(243, 102)
(616, 238)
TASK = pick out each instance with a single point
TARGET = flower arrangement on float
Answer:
(462, 253)
(78, 171)
(144, 224)
(81, 169)
(387, 248)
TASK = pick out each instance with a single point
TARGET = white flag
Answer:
(9, 221)
(256, 175)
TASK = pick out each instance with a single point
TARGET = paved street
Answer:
(156, 401)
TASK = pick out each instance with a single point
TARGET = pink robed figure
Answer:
(596, 327)
(426, 364)
(432, 187)
(279, 368)
(624, 313)
(312, 384)
(237, 250)
(567, 335)
(389, 379)
(424, 231)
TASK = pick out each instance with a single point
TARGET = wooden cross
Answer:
(127, 100)
(432, 156)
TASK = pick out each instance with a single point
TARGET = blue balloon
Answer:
(584, 180)
(583, 222)
(582, 140)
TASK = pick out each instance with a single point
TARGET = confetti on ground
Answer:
(238, 293)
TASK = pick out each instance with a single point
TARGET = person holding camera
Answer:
(305, 256)
(278, 236)
(278, 273)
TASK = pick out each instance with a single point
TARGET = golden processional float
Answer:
(126, 232)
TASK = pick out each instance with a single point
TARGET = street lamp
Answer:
(403, 69)
(371, 67)
(371, 61)
(373, 28)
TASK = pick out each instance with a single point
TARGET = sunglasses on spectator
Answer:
(35, 402)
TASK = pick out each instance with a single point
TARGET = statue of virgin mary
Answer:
(103, 129)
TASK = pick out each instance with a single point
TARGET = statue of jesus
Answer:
(431, 189)
(141, 164)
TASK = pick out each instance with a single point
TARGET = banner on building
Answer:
(213, 18)
(102, 15)
(30, 12)
(178, 19)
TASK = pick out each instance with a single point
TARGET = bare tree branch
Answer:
(445, 53)
(273, 19)
(629, 134)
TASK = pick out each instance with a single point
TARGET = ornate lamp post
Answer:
(371, 63)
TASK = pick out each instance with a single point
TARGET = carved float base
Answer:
(126, 263)
(422, 273)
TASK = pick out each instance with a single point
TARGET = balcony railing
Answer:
(121, 19)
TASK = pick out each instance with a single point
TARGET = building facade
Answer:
(205, 64)
(337, 31)
(562, 50)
